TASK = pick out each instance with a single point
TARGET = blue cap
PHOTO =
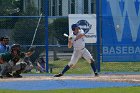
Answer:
(74, 26)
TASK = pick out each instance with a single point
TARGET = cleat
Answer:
(58, 75)
(8, 75)
(17, 75)
(1, 76)
(96, 74)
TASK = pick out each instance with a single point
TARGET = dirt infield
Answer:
(109, 78)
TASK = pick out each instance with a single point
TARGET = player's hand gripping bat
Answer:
(66, 35)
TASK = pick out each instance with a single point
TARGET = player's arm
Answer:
(1, 61)
(30, 52)
(70, 42)
(79, 36)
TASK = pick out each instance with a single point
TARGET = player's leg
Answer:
(74, 59)
(5, 69)
(9, 69)
(93, 66)
(89, 58)
(29, 66)
(19, 68)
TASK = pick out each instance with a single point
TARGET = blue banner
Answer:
(121, 30)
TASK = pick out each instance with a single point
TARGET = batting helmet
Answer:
(74, 26)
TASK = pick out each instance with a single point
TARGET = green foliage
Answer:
(24, 32)
(120, 67)
(57, 29)
(7, 23)
(14, 8)
(9, 7)
(25, 29)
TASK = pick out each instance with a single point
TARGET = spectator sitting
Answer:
(4, 47)
(41, 65)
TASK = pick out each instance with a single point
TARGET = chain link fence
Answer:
(59, 54)
(19, 24)
(20, 30)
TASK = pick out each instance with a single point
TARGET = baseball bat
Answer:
(66, 35)
(36, 29)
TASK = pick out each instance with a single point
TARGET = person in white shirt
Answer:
(76, 39)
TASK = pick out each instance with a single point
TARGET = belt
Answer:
(83, 48)
(79, 49)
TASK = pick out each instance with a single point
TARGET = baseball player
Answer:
(77, 41)
(10, 61)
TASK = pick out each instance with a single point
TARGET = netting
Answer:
(19, 19)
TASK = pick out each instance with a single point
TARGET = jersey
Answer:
(8, 57)
(79, 49)
(3, 48)
(80, 43)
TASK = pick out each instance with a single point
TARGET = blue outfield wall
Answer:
(121, 30)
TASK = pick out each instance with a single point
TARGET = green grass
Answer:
(95, 90)
(120, 67)
(83, 67)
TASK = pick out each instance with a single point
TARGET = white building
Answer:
(65, 7)
(38, 4)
